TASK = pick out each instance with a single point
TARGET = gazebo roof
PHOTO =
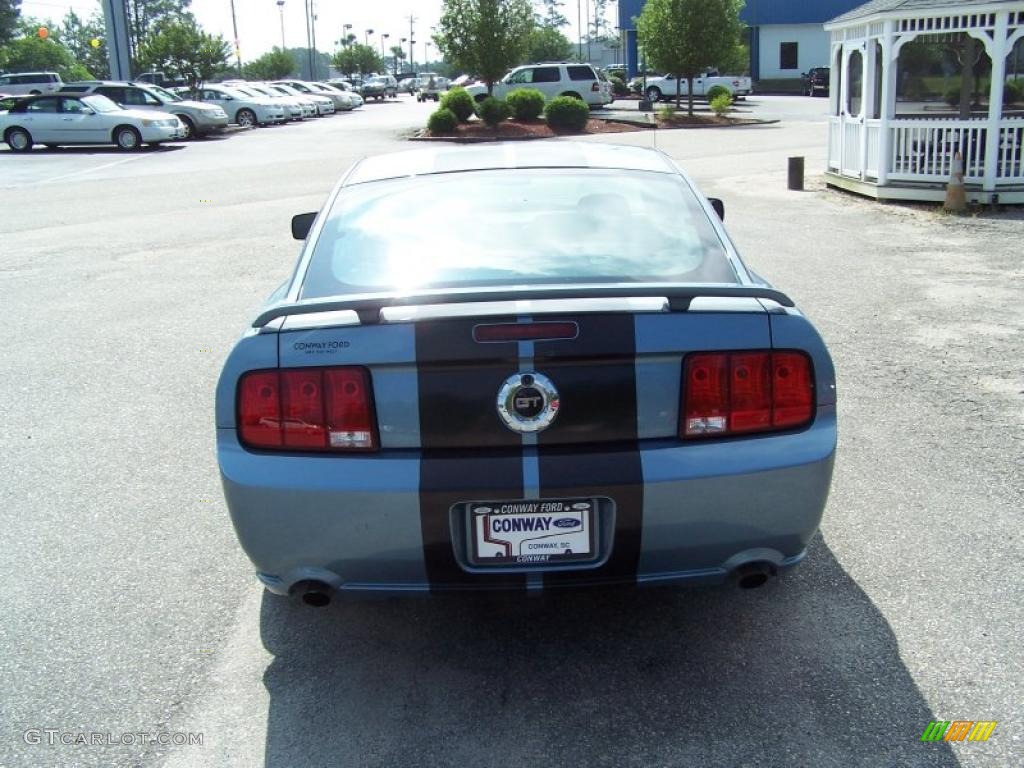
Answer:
(883, 7)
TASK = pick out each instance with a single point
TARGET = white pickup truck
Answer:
(664, 86)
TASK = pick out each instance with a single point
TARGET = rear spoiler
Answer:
(369, 305)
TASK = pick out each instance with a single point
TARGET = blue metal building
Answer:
(786, 36)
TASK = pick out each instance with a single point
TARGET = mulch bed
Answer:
(704, 121)
(533, 129)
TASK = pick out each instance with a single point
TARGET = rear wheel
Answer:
(480, 98)
(246, 118)
(18, 139)
(653, 94)
(573, 95)
(127, 138)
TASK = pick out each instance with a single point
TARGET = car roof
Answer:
(508, 155)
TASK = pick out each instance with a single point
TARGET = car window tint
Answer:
(581, 73)
(5, 80)
(43, 105)
(133, 97)
(545, 75)
(73, 106)
(540, 226)
(113, 93)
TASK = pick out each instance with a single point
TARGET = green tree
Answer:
(547, 44)
(275, 65)
(77, 35)
(360, 58)
(144, 16)
(685, 37)
(550, 14)
(31, 54)
(180, 47)
(485, 37)
(600, 31)
(9, 11)
(397, 56)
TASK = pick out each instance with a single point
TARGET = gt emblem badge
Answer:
(527, 402)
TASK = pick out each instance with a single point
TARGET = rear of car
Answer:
(816, 81)
(30, 83)
(604, 398)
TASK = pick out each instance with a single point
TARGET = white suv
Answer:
(32, 83)
(578, 80)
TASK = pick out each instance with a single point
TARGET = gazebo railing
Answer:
(923, 150)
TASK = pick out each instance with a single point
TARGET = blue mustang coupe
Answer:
(576, 381)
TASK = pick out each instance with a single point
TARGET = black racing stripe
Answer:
(459, 380)
(458, 383)
(596, 378)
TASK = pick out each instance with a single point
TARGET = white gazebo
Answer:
(913, 83)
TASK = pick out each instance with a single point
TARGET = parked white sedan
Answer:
(88, 119)
(242, 108)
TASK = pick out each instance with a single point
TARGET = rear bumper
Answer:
(360, 523)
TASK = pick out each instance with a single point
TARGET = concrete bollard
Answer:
(796, 173)
(956, 197)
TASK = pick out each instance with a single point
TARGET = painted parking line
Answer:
(91, 170)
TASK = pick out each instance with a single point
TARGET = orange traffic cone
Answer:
(956, 198)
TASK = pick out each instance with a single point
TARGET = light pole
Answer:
(366, 37)
(412, 56)
(404, 41)
(383, 36)
(280, 7)
(345, 33)
(238, 49)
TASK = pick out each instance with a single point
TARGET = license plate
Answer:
(539, 531)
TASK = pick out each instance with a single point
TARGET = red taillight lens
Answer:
(595, 87)
(792, 389)
(350, 422)
(307, 409)
(259, 411)
(743, 392)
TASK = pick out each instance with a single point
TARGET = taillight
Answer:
(595, 87)
(307, 409)
(733, 393)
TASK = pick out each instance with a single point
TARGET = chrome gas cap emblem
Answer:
(527, 402)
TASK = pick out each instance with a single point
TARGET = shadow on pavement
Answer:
(94, 149)
(802, 672)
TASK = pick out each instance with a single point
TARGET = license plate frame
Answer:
(536, 540)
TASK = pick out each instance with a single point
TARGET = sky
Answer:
(259, 22)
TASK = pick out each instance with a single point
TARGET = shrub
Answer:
(493, 111)
(442, 121)
(459, 102)
(715, 91)
(525, 103)
(666, 111)
(619, 87)
(567, 113)
(721, 104)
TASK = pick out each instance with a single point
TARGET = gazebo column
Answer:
(890, 54)
(996, 47)
(867, 101)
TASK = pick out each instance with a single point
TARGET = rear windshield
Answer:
(515, 227)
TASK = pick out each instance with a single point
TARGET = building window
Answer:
(788, 56)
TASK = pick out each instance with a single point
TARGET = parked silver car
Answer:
(199, 119)
(323, 104)
(342, 102)
(295, 109)
(242, 108)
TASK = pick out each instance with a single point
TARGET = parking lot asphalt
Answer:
(128, 607)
